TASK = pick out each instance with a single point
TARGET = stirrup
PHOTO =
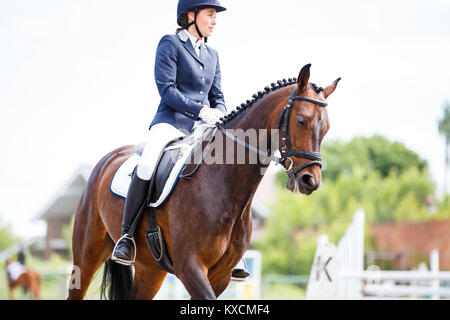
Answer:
(235, 279)
(127, 263)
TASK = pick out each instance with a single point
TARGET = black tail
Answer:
(117, 280)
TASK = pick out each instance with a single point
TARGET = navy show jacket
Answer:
(185, 81)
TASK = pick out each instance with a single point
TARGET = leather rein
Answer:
(285, 150)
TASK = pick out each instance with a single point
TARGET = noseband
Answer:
(285, 150)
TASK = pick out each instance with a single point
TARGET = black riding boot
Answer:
(136, 195)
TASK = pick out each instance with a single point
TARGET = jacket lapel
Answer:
(203, 53)
(190, 48)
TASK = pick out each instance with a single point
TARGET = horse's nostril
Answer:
(308, 181)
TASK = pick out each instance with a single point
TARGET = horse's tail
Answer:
(117, 280)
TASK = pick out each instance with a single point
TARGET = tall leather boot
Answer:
(136, 195)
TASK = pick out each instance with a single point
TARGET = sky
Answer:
(76, 77)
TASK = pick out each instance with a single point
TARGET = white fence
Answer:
(347, 279)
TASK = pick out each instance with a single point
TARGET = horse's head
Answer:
(303, 127)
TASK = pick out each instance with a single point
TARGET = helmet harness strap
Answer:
(196, 11)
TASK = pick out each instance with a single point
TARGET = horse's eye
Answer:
(301, 121)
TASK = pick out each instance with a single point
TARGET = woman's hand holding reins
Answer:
(210, 115)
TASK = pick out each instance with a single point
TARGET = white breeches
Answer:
(157, 137)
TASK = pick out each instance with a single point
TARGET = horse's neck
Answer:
(262, 115)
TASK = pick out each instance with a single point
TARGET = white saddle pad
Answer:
(122, 178)
(15, 270)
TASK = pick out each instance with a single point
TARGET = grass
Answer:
(282, 291)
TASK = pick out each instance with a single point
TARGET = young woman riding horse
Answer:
(19, 275)
(187, 74)
(207, 220)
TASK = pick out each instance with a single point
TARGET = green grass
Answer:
(282, 291)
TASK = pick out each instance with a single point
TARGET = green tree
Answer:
(7, 238)
(296, 221)
(390, 189)
(444, 129)
(374, 153)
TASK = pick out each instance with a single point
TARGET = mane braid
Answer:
(316, 88)
(243, 106)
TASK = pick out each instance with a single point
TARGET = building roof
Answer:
(65, 201)
(5, 254)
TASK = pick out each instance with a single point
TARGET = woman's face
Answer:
(206, 21)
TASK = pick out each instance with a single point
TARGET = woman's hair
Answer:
(182, 21)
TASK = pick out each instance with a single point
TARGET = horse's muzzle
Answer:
(303, 183)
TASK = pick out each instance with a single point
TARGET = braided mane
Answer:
(273, 87)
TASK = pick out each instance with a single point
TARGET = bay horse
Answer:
(206, 222)
(29, 280)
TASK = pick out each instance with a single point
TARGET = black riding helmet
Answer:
(185, 6)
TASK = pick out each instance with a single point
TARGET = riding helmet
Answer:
(189, 5)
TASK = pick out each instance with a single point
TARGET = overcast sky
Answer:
(76, 77)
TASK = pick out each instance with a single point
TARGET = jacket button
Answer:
(201, 92)
(201, 67)
(203, 79)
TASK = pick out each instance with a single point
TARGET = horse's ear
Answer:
(303, 78)
(330, 89)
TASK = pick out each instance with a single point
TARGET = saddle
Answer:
(170, 167)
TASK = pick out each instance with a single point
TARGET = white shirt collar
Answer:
(184, 35)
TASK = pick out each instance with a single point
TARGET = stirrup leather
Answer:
(122, 261)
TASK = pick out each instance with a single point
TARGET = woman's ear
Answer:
(191, 16)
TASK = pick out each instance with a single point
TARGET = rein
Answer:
(285, 151)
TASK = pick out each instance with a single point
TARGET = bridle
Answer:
(286, 150)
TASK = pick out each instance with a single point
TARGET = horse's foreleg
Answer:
(194, 277)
